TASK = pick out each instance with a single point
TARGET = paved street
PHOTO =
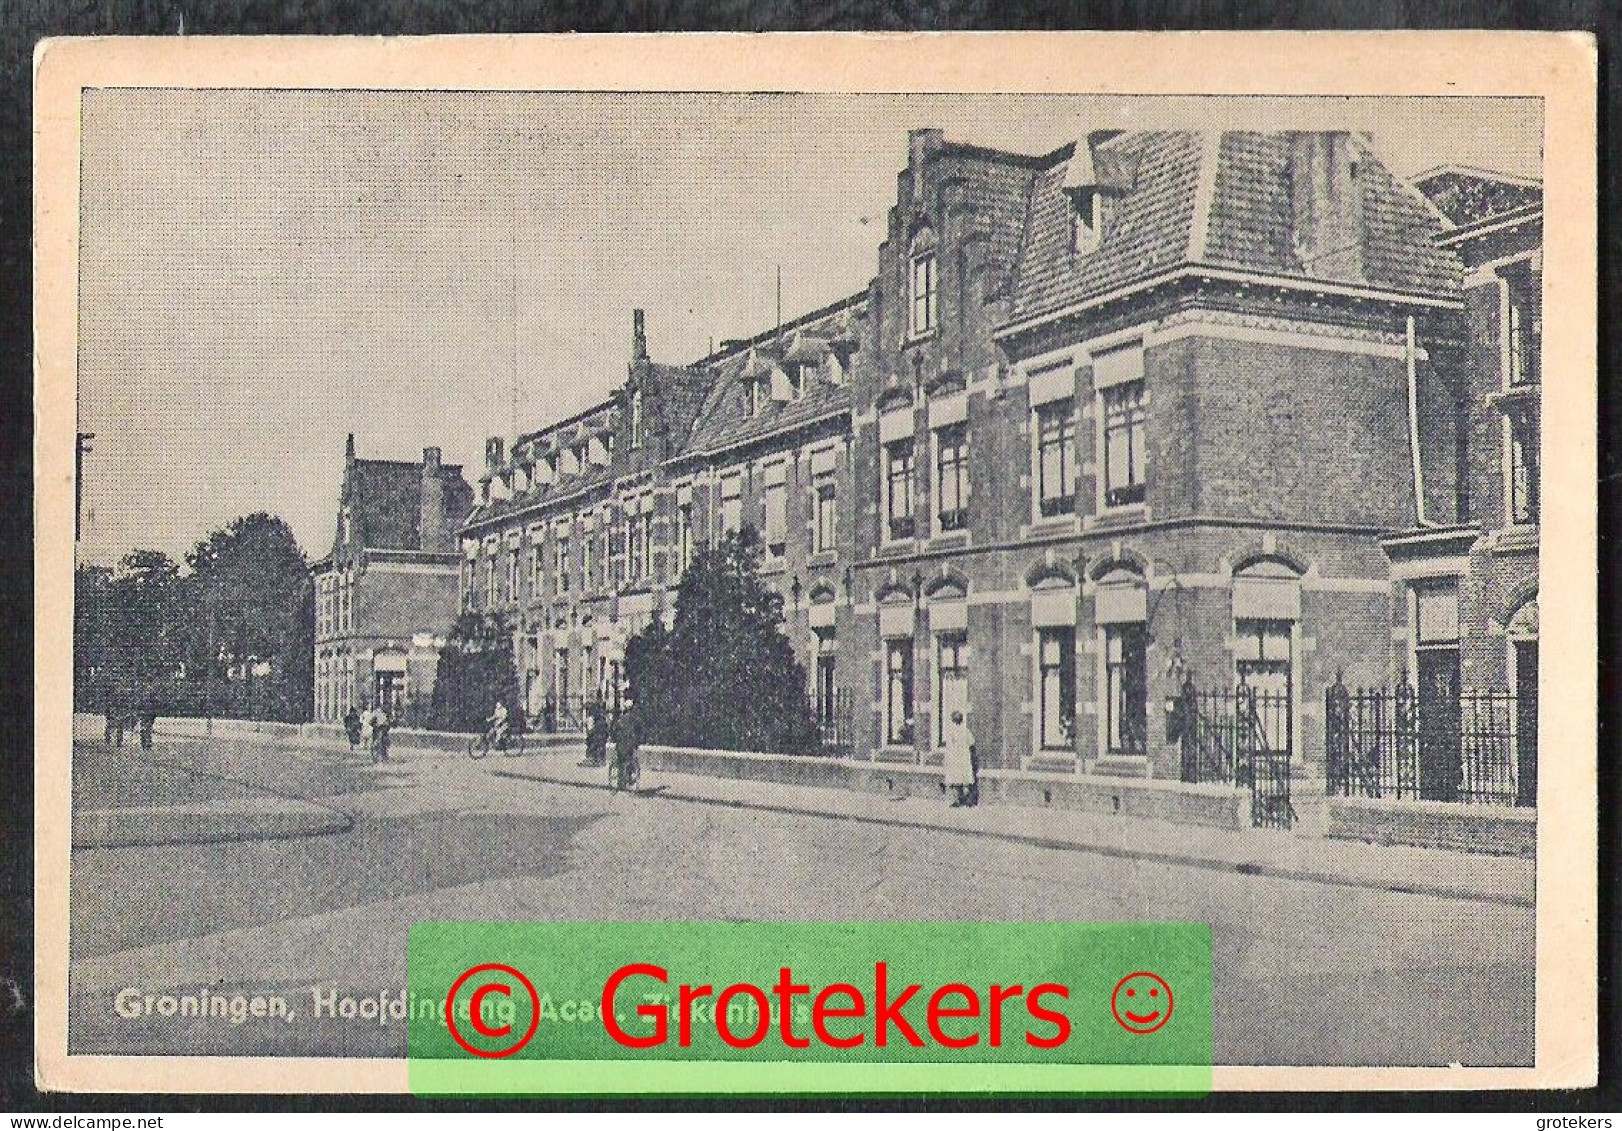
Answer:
(1306, 973)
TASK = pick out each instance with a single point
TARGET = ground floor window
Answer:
(898, 692)
(824, 690)
(1056, 678)
(952, 682)
(1126, 689)
(1264, 665)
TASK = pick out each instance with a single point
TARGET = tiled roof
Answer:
(1245, 221)
(724, 420)
(1148, 233)
(1251, 217)
(1469, 196)
(386, 497)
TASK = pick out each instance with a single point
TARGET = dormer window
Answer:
(924, 285)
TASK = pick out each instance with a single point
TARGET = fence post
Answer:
(1337, 725)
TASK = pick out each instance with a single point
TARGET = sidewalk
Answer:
(1274, 853)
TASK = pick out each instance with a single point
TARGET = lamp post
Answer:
(80, 450)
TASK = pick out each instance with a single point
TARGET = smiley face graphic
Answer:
(1141, 1002)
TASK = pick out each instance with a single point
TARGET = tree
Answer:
(476, 667)
(127, 629)
(724, 676)
(249, 620)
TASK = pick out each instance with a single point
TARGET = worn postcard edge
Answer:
(1558, 68)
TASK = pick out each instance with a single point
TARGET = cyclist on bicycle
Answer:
(497, 727)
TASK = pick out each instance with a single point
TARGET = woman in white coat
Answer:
(960, 767)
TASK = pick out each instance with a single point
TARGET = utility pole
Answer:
(80, 449)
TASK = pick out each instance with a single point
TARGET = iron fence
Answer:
(1389, 742)
(562, 714)
(836, 722)
(1238, 736)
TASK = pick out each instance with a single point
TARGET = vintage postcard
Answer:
(946, 563)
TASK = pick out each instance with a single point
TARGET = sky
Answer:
(264, 272)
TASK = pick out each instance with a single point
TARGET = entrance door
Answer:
(390, 687)
(1439, 724)
(1526, 722)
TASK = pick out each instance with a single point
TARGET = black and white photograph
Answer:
(514, 505)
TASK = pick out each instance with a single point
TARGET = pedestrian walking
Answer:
(961, 771)
(352, 728)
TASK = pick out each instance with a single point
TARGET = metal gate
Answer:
(1239, 736)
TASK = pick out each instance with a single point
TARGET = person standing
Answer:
(147, 719)
(380, 733)
(596, 735)
(961, 775)
(352, 728)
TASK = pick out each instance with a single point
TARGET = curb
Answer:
(1243, 867)
(157, 825)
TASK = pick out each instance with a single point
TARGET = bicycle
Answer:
(624, 773)
(511, 744)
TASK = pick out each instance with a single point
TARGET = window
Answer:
(617, 540)
(898, 490)
(636, 418)
(775, 506)
(1127, 689)
(1262, 661)
(1056, 457)
(684, 535)
(633, 535)
(1524, 328)
(1124, 476)
(1087, 223)
(490, 581)
(645, 521)
(731, 504)
(1523, 469)
(467, 589)
(513, 593)
(560, 570)
(898, 692)
(952, 477)
(824, 692)
(754, 396)
(923, 292)
(1056, 653)
(587, 578)
(952, 681)
(824, 528)
(536, 567)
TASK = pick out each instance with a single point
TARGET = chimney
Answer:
(920, 145)
(432, 536)
(1326, 205)
(349, 449)
(639, 337)
(495, 449)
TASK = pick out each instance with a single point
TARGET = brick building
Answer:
(386, 595)
(1159, 414)
(1466, 582)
